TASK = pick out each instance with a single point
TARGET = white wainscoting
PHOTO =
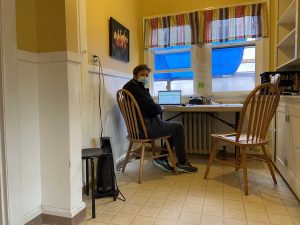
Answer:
(49, 86)
(55, 125)
(113, 123)
(27, 74)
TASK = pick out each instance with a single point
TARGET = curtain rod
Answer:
(204, 9)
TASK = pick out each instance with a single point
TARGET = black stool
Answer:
(91, 154)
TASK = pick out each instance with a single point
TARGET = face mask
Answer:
(144, 80)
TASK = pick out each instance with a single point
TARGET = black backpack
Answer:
(106, 178)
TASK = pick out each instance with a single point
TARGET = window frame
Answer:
(151, 62)
(261, 65)
(233, 45)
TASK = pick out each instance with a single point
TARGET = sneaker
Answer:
(163, 164)
(186, 167)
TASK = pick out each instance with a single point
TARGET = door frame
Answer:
(10, 152)
(3, 186)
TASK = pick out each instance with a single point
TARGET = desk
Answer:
(205, 108)
(209, 110)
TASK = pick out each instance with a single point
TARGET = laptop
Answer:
(169, 97)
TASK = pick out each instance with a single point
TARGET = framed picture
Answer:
(118, 40)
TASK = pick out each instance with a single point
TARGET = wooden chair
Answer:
(137, 132)
(260, 106)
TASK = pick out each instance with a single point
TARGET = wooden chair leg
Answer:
(127, 156)
(152, 147)
(237, 158)
(212, 156)
(269, 164)
(142, 154)
(171, 155)
(245, 172)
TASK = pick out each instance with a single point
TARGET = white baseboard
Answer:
(63, 212)
(32, 214)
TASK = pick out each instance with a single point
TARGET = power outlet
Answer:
(93, 60)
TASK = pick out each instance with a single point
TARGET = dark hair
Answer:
(139, 68)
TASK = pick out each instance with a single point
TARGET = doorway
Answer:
(3, 192)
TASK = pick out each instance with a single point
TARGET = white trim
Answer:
(27, 56)
(49, 57)
(10, 112)
(3, 178)
(74, 57)
(63, 212)
(109, 72)
(32, 214)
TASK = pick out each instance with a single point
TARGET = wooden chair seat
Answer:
(137, 132)
(260, 106)
(241, 142)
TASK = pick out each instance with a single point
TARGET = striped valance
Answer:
(239, 22)
(182, 29)
(218, 25)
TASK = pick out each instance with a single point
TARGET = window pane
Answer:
(187, 75)
(159, 86)
(235, 74)
(179, 81)
(174, 60)
(186, 86)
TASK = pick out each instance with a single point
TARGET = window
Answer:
(233, 67)
(227, 67)
(173, 69)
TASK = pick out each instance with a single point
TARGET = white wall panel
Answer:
(27, 73)
(113, 123)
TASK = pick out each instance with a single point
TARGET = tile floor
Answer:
(168, 199)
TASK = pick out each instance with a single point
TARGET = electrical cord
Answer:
(124, 199)
(100, 99)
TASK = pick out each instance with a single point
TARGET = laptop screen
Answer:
(169, 97)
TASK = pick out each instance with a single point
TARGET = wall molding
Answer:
(63, 212)
(66, 56)
(94, 70)
(49, 57)
(34, 213)
(50, 219)
(38, 220)
(11, 180)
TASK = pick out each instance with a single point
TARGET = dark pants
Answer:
(158, 128)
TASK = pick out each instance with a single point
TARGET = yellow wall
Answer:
(26, 25)
(51, 25)
(41, 25)
(72, 25)
(156, 7)
(126, 13)
(162, 7)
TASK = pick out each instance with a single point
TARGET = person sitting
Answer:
(155, 126)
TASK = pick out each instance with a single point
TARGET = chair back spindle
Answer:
(132, 115)
(261, 104)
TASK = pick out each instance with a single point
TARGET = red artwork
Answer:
(119, 41)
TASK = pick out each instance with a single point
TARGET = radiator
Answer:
(197, 128)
